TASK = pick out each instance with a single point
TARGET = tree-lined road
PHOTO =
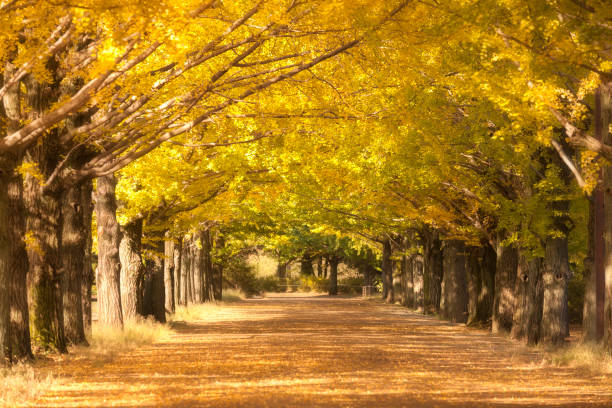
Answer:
(293, 350)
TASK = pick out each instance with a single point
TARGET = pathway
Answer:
(314, 351)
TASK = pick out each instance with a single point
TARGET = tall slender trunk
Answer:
(74, 241)
(5, 269)
(88, 273)
(527, 316)
(417, 282)
(320, 266)
(176, 254)
(333, 275)
(589, 311)
(155, 268)
(198, 269)
(505, 277)
(387, 272)
(184, 281)
(208, 267)
(109, 266)
(454, 299)
(21, 346)
(603, 119)
(169, 274)
(407, 272)
(132, 270)
(433, 271)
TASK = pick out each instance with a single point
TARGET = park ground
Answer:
(294, 350)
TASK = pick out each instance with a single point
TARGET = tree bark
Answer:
(208, 267)
(74, 241)
(157, 300)
(333, 276)
(306, 265)
(603, 119)
(45, 274)
(417, 282)
(480, 265)
(178, 248)
(454, 299)
(198, 268)
(433, 271)
(527, 316)
(387, 272)
(20, 343)
(589, 311)
(407, 274)
(555, 276)
(109, 266)
(132, 270)
(5, 268)
(505, 277)
(218, 270)
(88, 274)
(184, 267)
(169, 274)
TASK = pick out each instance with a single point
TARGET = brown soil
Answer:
(299, 350)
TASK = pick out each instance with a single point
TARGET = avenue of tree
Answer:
(458, 150)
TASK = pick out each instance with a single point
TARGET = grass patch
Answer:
(135, 334)
(232, 295)
(21, 383)
(586, 355)
(198, 312)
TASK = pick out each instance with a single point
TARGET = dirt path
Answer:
(298, 350)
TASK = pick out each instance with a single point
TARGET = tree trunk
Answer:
(603, 119)
(325, 267)
(387, 272)
(454, 300)
(184, 281)
(5, 268)
(472, 268)
(197, 267)
(207, 265)
(281, 270)
(88, 274)
(218, 270)
(20, 343)
(407, 276)
(44, 277)
(433, 271)
(320, 266)
(178, 249)
(417, 282)
(157, 294)
(169, 274)
(74, 241)
(555, 276)
(132, 270)
(306, 265)
(333, 276)
(528, 307)
(505, 277)
(109, 266)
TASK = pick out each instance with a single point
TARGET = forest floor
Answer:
(304, 350)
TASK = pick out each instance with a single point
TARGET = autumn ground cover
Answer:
(312, 350)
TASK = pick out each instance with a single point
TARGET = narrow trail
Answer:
(315, 351)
